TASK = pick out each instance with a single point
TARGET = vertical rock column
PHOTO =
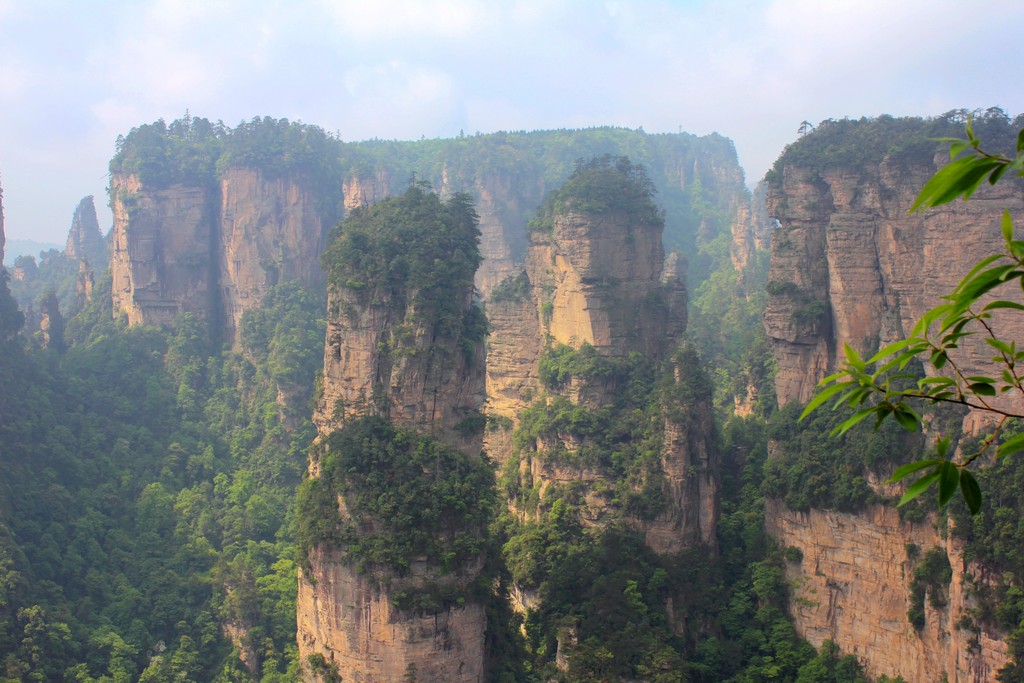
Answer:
(404, 347)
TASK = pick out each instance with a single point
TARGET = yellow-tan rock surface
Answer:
(852, 587)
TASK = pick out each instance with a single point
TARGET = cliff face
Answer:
(390, 352)
(852, 587)
(595, 275)
(602, 281)
(269, 232)
(348, 618)
(211, 251)
(163, 251)
(429, 386)
(849, 265)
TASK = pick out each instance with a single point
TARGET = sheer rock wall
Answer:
(211, 251)
(604, 281)
(850, 265)
(852, 587)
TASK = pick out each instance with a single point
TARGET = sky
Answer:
(74, 75)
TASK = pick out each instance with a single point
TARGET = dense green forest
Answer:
(147, 494)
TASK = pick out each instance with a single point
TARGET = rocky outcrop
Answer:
(751, 229)
(430, 386)
(349, 619)
(504, 203)
(85, 240)
(849, 265)
(602, 280)
(852, 586)
(597, 280)
(689, 465)
(211, 250)
(391, 351)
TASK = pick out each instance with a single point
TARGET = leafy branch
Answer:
(880, 386)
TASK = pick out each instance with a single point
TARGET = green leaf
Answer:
(853, 358)
(960, 177)
(1014, 444)
(906, 418)
(1007, 222)
(981, 389)
(919, 487)
(890, 350)
(938, 380)
(949, 478)
(853, 420)
(970, 490)
(908, 469)
(822, 396)
(1003, 304)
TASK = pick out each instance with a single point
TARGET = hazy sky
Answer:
(75, 74)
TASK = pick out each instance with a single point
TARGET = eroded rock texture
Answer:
(853, 587)
(603, 281)
(85, 241)
(850, 265)
(211, 250)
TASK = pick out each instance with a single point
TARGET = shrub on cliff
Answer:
(412, 249)
(602, 185)
(408, 496)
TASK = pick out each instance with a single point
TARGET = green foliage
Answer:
(815, 470)
(146, 486)
(512, 288)
(161, 155)
(931, 579)
(193, 151)
(421, 498)
(561, 363)
(604, 184)
(416, 246)
(853, 143)
(880, 387)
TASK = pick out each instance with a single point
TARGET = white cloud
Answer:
(395, 19)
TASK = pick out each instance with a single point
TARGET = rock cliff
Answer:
(850, 265)
(598, 281)
(270, 231)
(211, 250)
(163, 254)
(411, 353)
(852, 586)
